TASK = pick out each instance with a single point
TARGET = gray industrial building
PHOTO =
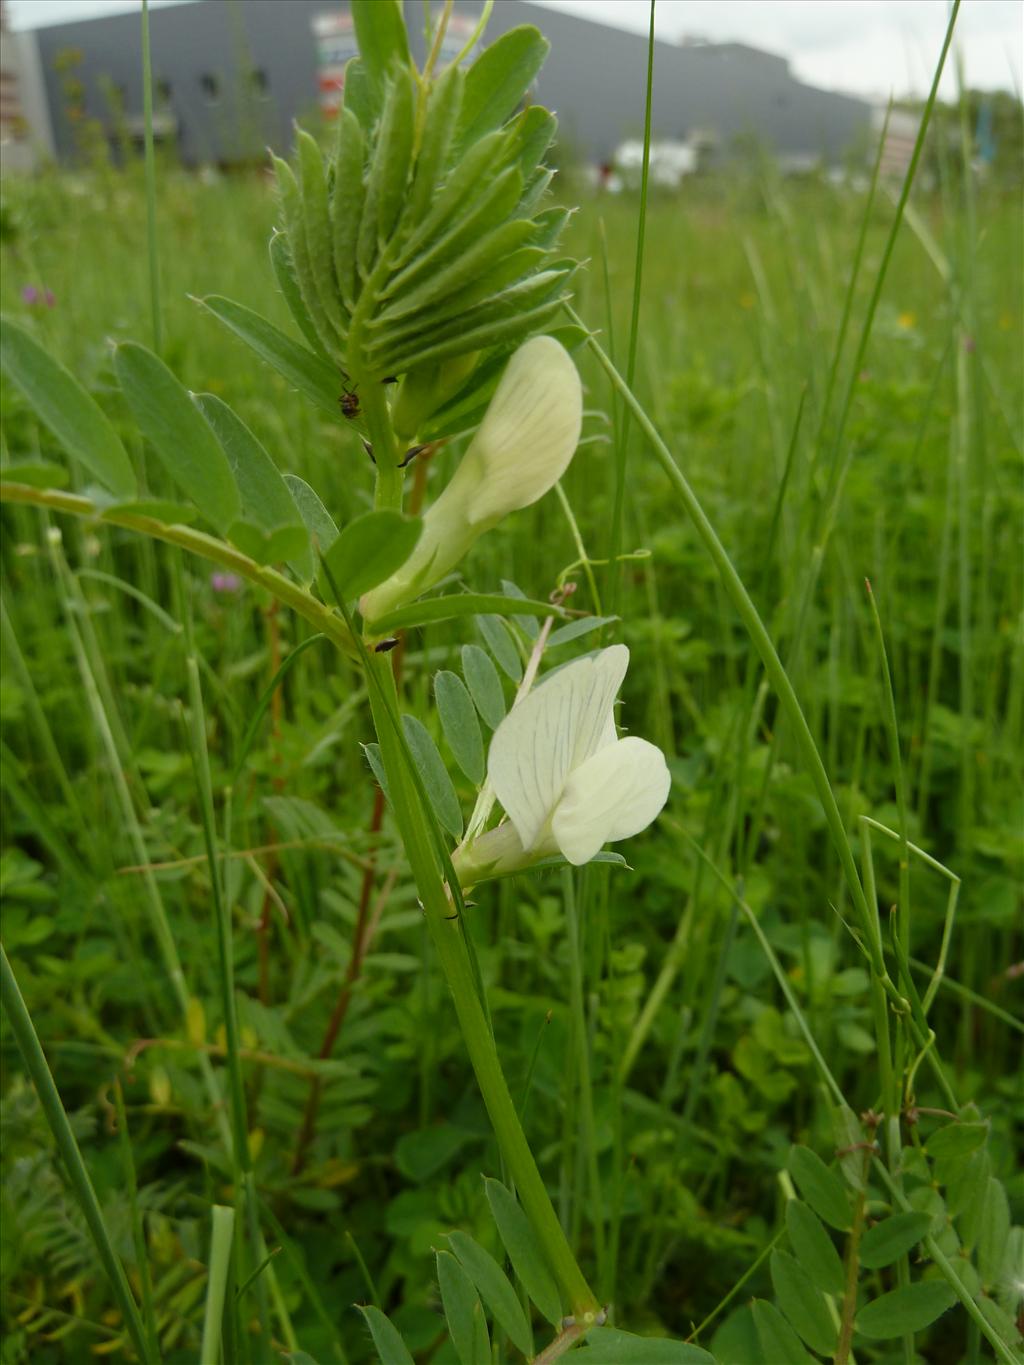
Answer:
(231, 76)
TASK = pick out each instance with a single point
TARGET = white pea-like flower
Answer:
(521, 449)
(567, 783)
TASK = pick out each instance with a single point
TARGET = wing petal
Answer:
(614, 795)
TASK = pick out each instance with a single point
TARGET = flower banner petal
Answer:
(551, 732)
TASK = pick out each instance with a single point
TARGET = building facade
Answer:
(232, 76)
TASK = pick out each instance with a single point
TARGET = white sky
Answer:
(869, 47)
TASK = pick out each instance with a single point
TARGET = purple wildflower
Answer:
(225, 582)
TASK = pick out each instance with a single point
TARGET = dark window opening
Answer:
(210, 86)
(260, 83)
(163, 92)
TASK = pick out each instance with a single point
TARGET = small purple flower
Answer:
(34, 298)
(225, 582)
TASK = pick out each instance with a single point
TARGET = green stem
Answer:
(447, 934)
(138, 1225)
(216, 1285)
(850, 1294)
(49, 1099)
(222, 919)
(147, 115)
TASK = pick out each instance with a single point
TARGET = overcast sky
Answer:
(872, 47)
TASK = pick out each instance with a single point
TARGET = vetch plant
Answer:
(568, 784)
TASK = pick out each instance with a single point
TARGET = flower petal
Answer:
(614, 795)
(529, 433)
(552, 731)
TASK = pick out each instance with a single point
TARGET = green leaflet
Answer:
(821, 1187)
(184, 442)
(473, 173)
(802, 1302)
(498, 80)
(524, 1250)
(480, 338)
(460, 725)
(490, 209)
(317, 221)
(463, 1312)
(778, 1340)
(389, 171)
(432, 609)
(535, 189)
(905, 1310)
(370, 549)
(610, 1346)
(291, 209)
(390, 1346)
(156, 509)
(383, 43)
(501, 645)
(484, 685)
(814, 1248)
(434, 775)
(494, 1288)
(36, 474)
(892, 1238)
(443, 109)
(267, 503)
(515, 266)
(449, 319)
(311, 374)
(62, 405)
(347, 200)
(490, 253)
(548, 226)
(534, 131)
(284, 272)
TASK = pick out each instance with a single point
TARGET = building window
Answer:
(259, 83)
(210, 86)
(163, 92)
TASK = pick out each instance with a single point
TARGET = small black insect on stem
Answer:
(349, 400)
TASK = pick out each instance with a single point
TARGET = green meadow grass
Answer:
(663, 1072)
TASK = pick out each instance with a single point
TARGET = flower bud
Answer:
(521, 449)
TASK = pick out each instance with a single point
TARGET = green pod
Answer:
(284, 272)
(492, 209)
(443, 107)
(347, 203)
(291, 208)
(316, 217)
